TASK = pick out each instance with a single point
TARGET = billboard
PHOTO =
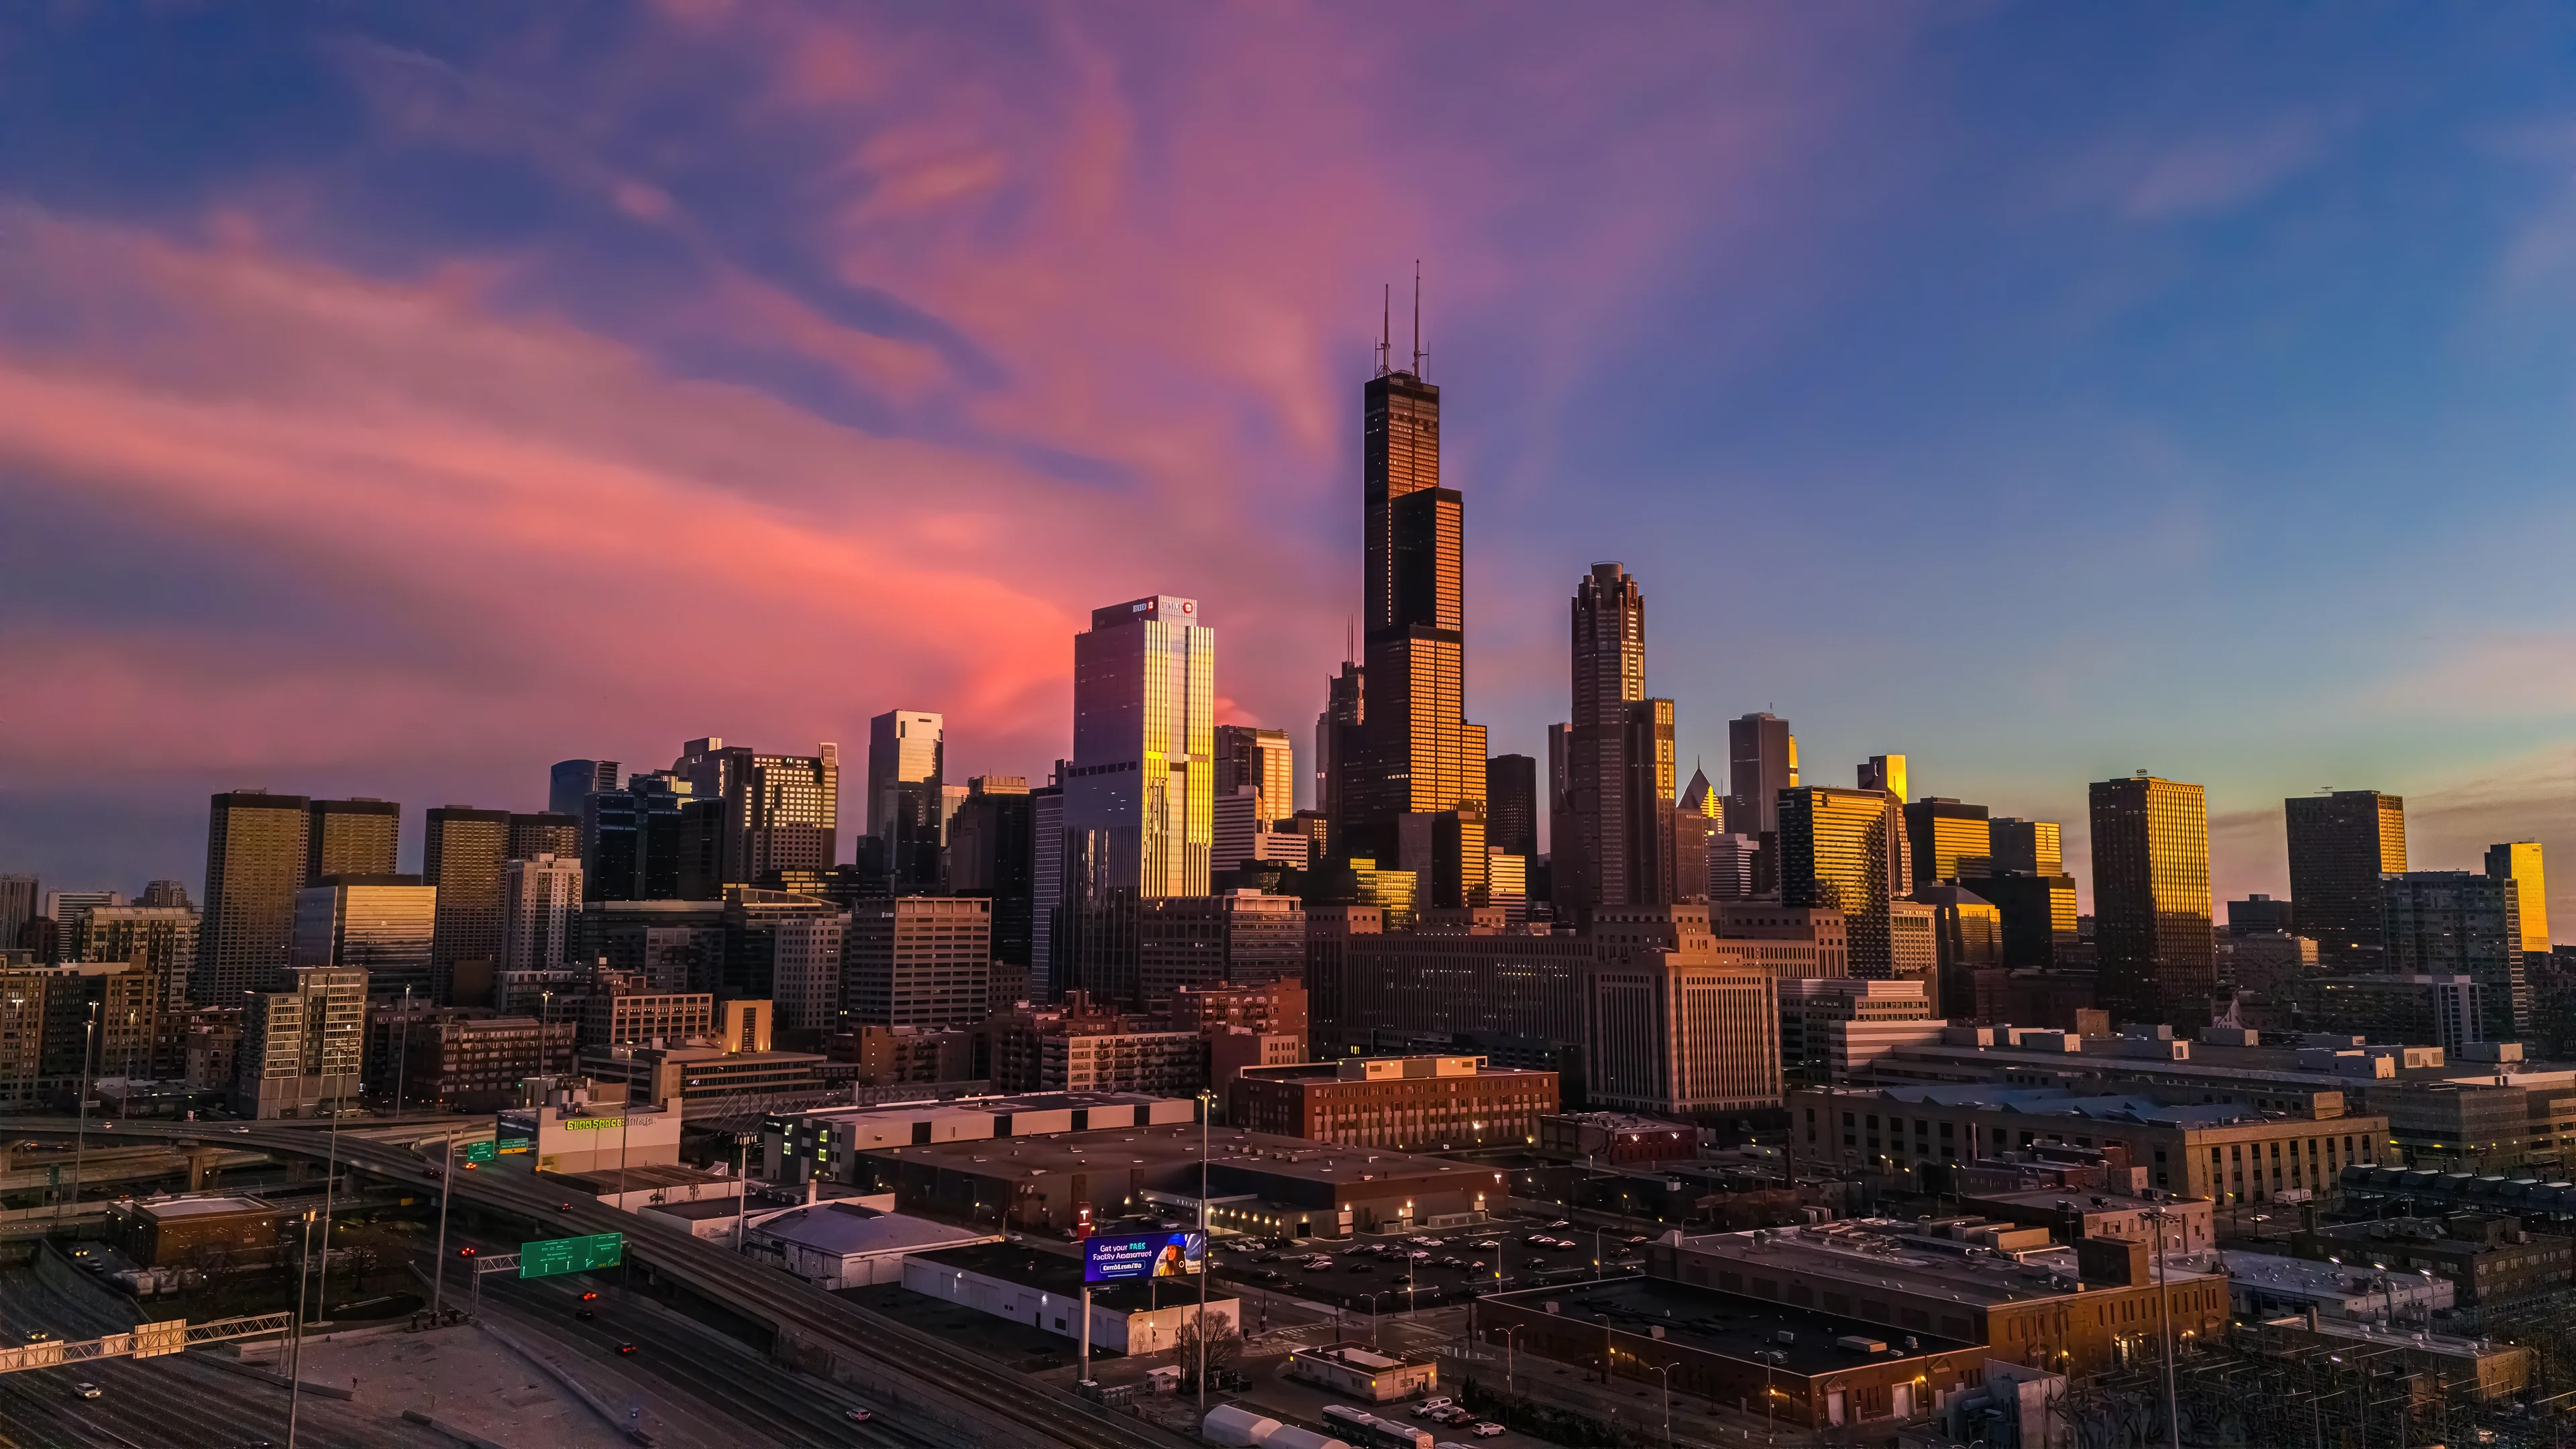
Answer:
(1152, 1255)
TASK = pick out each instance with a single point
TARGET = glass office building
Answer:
(2151, 902)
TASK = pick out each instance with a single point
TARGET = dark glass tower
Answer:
(2340, 845)
(1511, 805)
(1845, 849)
(1418, 754)
(2151, 900)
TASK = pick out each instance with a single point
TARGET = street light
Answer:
(402, 1054)
(80, 1142)
(1666, 1370)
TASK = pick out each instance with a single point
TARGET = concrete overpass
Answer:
(812, 1330)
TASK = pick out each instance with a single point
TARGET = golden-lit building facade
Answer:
(2340, 845)
(351, 837)
(255, 862)
(1945, 833)
(2026, 847)
(2151, 903)
(1417, 754)
(2519, 862)
(1845, 849)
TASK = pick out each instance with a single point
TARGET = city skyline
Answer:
(2156, 563)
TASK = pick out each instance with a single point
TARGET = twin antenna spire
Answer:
(1386, 325)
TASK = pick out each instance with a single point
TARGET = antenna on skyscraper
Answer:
(1385, 326)
(1417, 317)
(1350, 637)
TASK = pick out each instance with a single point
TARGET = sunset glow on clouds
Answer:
(397, 408)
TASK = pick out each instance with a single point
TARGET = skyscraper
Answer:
(1337, 743)
(462, 852)
(2029, 847)
(255, 859)
(541, 907)
(1762, 761)
(1595, 845)
(163, 895)
(906, 794)
(1845, 850)
(351, 837)
(2519, 862)
(17, 907)
(302, 1047)
(1262, 759)
(573, 781)
(2340, 845)
(536, 833)
(2460, 923)
(990, 854)
(2151, 901)
(1944, 834)
(1418, 754)
(1139, 794)
(654, 840)
(780, 812)
(378, 924)
(1511, 805)
(1048, 971)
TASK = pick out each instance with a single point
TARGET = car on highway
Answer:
(564, 1207)
(39, 1335)
(1559, 1223)
(858, 1416)
(243, 1130)
(86, 1389)
(626, 1348)
(590, 1295)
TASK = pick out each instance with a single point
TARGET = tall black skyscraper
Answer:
(2340, 845)
(2151, 900)
(1419, 756)
(1511, 804)
(1762, 761)
(572, 781)
(992, 853)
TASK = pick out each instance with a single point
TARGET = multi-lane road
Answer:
(954, 1394)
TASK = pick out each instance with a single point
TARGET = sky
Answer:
(395, 400)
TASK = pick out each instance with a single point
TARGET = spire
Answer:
(1385, 326)
(1418, 353)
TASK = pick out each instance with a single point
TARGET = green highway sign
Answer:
(486, 1150)
(570, 1255)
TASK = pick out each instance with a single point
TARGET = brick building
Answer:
(1428, 1104)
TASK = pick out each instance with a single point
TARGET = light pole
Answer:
(1666, 1370)
(80, 1141)
(742, 1185)
(295, 1355)
(330, 1179)
(446, 1190)
(402, 1054)
(2164, 1316)
(1207, 1260)
(1508, 1385)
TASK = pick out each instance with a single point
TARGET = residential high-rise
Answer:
(2029, 847)
(1418, 755)
(2458, 923)
(1845, 849)
(2519, 862)
(2340, 845)
(541, 911)
(1139, 794)
(2151, 903)
(302, 1049)
(164, 938)
(991, 854)
(69, 911)
(462, 853)
(1262, 759)
(351, 837)
(17, 907)
(255, 859)
(1511, 805)
(1946, 833)
(919, 961)
(545, 833)
(780, 812)
(907, 796)
(378, 924)
(573, 781)
(166, 895)
(808, 972)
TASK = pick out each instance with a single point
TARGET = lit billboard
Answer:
(1153, 1255)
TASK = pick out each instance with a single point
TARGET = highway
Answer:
(175, 1402)
(936, 1380)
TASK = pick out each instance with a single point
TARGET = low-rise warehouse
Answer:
(1820, 1369)
(1281, 1185)
(845, 1245)
(1044, 1290)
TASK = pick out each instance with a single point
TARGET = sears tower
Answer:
(1414, 796)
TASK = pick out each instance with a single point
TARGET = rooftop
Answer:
(2060, 1102)
(2313, 1277)
(1896, 1255)
(1057, 1273)
(846, 1228)
(703, 1210)
(1729, 1325)
(993, 1106)
(196, 1207)
(639, 1176)
(1164, 1147)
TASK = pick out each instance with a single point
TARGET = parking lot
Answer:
(1395, 1271)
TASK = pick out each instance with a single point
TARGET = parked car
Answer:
(1362, 1268)
(1487, 1429)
